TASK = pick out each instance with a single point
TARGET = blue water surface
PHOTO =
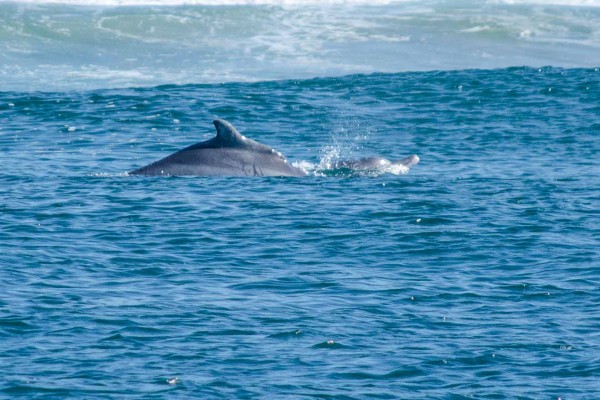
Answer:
(475, 275)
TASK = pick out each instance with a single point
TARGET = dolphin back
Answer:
(229, 153)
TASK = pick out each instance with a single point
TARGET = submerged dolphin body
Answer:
(227, 154)
(373, 163)
(232, 154)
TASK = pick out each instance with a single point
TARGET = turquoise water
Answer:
(96, 45)
(475, 275)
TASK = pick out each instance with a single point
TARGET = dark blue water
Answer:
(475, 275)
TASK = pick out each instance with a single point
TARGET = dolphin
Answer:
(227, 154)
(232, 154)
(373, 163)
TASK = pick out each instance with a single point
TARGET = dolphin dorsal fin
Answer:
(227, 133)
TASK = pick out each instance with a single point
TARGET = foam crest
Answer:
(153, 3)
(570, 3)
(64, 47)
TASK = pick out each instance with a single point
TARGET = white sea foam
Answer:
(45, 46)
(570, 3)
(117, 3)
(113, 3)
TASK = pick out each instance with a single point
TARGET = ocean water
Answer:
(99, 44)
(474, 275)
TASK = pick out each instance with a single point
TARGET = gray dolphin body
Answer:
(227, 154)
(232, 154)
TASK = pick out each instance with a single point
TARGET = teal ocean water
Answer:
(474, 275)
(103, 44)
